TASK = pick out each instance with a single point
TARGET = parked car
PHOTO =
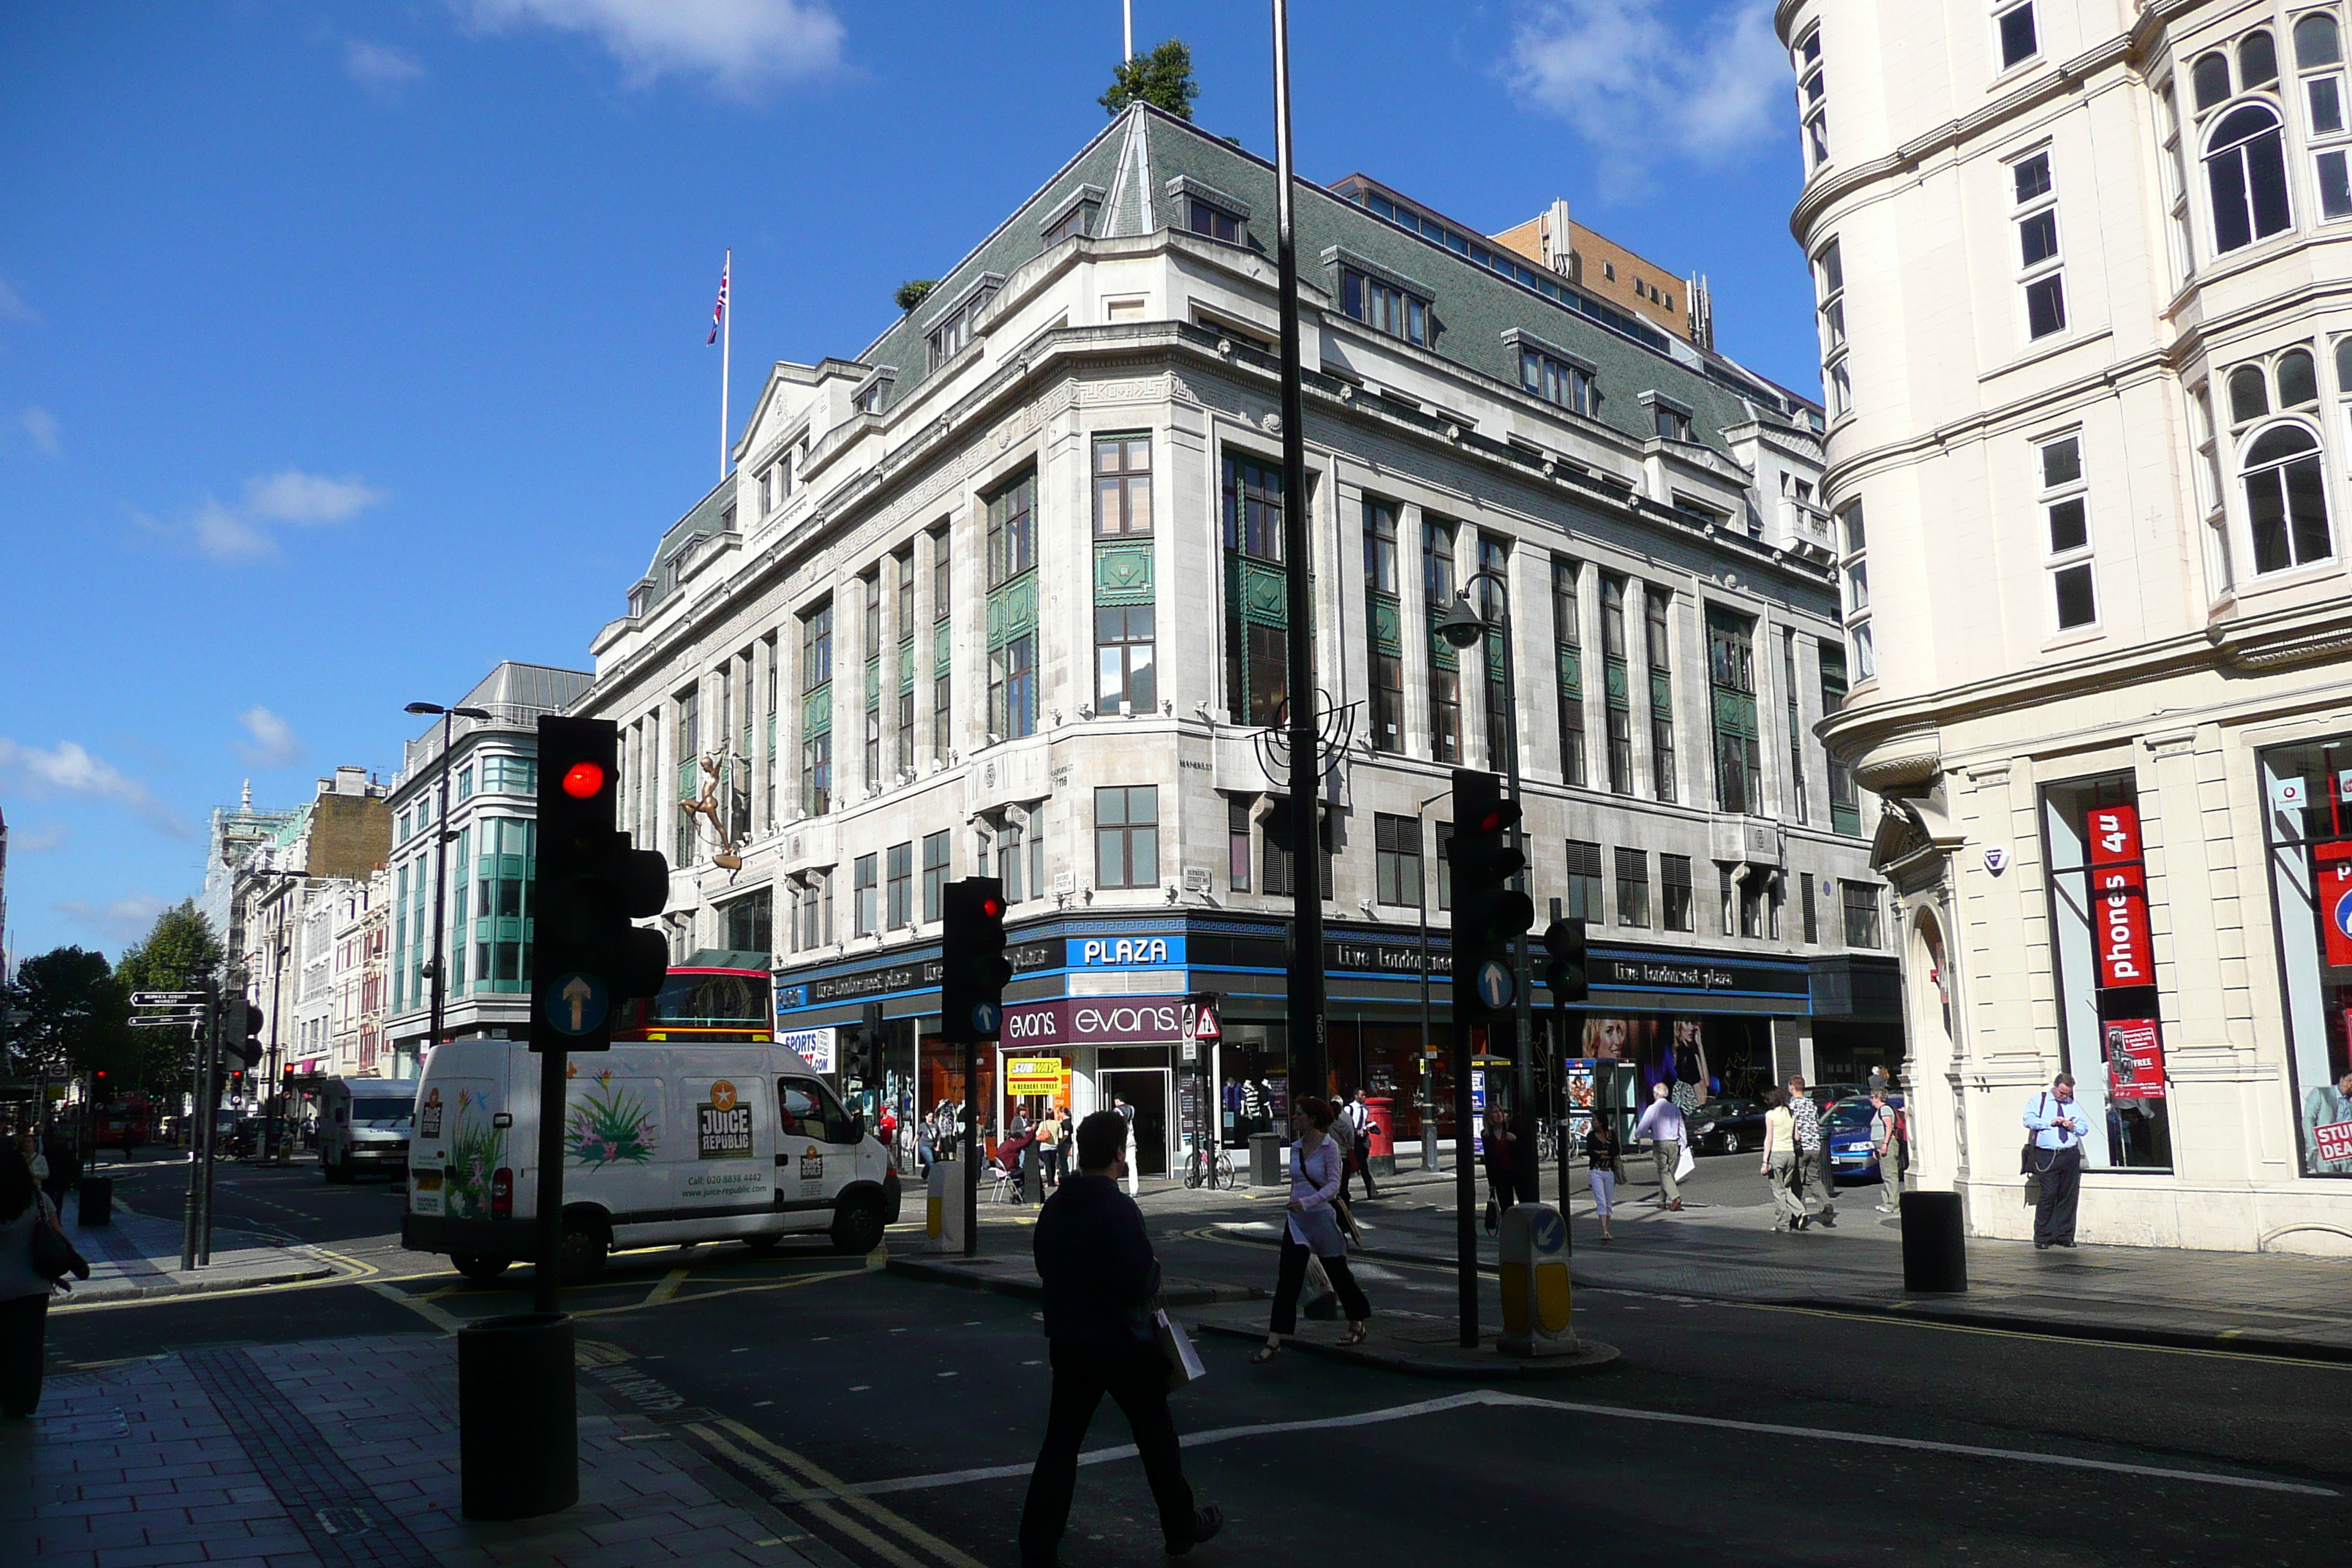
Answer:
(1847, 1128)
(1727, 1126)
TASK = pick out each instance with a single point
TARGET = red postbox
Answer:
(1382, 1111)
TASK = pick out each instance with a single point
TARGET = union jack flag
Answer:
(719, 311)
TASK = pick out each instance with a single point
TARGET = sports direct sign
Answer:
(2119, 897)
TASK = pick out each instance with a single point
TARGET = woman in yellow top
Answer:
(1780, 1161)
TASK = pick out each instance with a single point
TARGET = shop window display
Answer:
(2110, 1032)
(2307, 824)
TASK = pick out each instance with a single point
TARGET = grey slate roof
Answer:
(1136, 157)
(706, 517)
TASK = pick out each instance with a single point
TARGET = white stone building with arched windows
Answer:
(2084, 281)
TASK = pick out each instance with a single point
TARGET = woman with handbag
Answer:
(1604, 1157)
(33, 1255)
(1311, 1228)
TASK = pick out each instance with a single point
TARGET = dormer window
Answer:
(1671, 418)
(874, 391)
(1209, 212)
(1075, 215)
(952, 330)
(1214, 221)
(1384, 301)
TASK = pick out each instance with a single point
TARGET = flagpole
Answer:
(1127, 10)
(726, 349)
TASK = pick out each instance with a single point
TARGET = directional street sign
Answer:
(575, 1003)
(984, 1016)
(1495, 984)
(167, 1021)
(166, 998)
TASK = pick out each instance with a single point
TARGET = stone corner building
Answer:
(2087, 348)
(1005, 593)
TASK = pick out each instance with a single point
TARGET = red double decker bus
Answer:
(699, 1002)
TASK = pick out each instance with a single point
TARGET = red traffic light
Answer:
(1498, 817)
(993, 908)
(583, 780)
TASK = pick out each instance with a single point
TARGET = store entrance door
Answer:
(1147, 1090)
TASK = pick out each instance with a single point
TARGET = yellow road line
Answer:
(785, 1487)
(665, 1288)
(816, 1476)
(714, 1295)
(416, 1304)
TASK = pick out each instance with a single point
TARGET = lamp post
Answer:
(1464, 627)
(1428, 1088)
(435, 969)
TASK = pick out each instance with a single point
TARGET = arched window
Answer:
(2316, 41)
(2209, 80)
(2257, 61)
(2245, 170)
(2286, 499)
(2298, 381)
(2248, 397)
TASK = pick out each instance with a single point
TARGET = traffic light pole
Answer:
(1466, 1184)
(554, 1072)
(970, 1147)
(200, 1127)
(1306, 1026)
(1523, 1068)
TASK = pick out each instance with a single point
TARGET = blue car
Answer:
(1846, 1125)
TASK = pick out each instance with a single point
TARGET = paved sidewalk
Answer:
(138, 1255)
(338, 1453)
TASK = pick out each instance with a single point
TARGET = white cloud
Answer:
(740, 45)
(42, 426)
(275, 744)
(127, 920)
(71, 771)
(379, 68)
(246, 531)
(12, 305)
(36, 841)
(1637, 80)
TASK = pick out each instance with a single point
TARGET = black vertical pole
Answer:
(972, 1148)
(553, 1062)
(1465, 1186)
(1305, 1024)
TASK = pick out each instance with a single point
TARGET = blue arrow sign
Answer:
(574, 1004)
(983, 1017)
(1495, 984)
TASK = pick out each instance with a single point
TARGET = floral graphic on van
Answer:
(475, 1148)
(610, 1127)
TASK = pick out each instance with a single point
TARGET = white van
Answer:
(663, 1144)
(363, 1125)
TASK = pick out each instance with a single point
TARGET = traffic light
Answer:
(1488, 911)
(587, 955)
(241, 1033)
(864, 1064)
(973, 965)
(97, 1087)
(1564, 971)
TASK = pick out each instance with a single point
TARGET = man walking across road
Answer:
(1813, 1154)
(1887, 1148)
(1099, 1278)
(2054, 1157)
(1661, 1124)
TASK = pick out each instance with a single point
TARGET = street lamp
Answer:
(435, 968)
(1464, 627)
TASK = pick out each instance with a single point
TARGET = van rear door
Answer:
(457, 1143)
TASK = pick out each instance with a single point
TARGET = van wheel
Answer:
(479, 1270)
(857, 1228)
(764, 1245)
(586, 1241)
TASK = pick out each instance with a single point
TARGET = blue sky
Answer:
(346, 349)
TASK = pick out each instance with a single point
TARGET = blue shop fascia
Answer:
(1106, 994)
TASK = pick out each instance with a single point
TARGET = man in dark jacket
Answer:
(1100, 1276)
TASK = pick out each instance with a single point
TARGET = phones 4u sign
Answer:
(2119, 898)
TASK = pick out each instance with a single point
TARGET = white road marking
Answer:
(1488, 1396)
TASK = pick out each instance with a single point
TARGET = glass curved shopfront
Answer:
(2307, 832)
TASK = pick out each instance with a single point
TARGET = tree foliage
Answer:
(178, 954)
(914, 292)
(68, 1012)
(1162, 78)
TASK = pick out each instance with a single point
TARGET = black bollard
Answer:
(518, 1416)
(1934, 1250)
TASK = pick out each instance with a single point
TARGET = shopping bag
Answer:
(1685, 1164)
(1183, 1361)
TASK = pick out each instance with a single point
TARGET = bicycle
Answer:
(1199, 1170)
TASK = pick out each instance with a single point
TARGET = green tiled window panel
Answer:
(873, 683)
(816, 711)
(1662, 693)
(1388, 623)
(1013, 609)
(907, 664)
(1123, 573)
(942, 647)
(1572, 671)
(1442, 654)
(1614, 682)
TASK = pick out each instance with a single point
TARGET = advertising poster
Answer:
(2331, 881)
(2119, 898)
(2135, 1059)
(1579, 1097)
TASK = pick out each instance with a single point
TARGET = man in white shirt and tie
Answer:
(2054, 1157)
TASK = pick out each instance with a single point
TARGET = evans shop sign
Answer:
(1086, 1021)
